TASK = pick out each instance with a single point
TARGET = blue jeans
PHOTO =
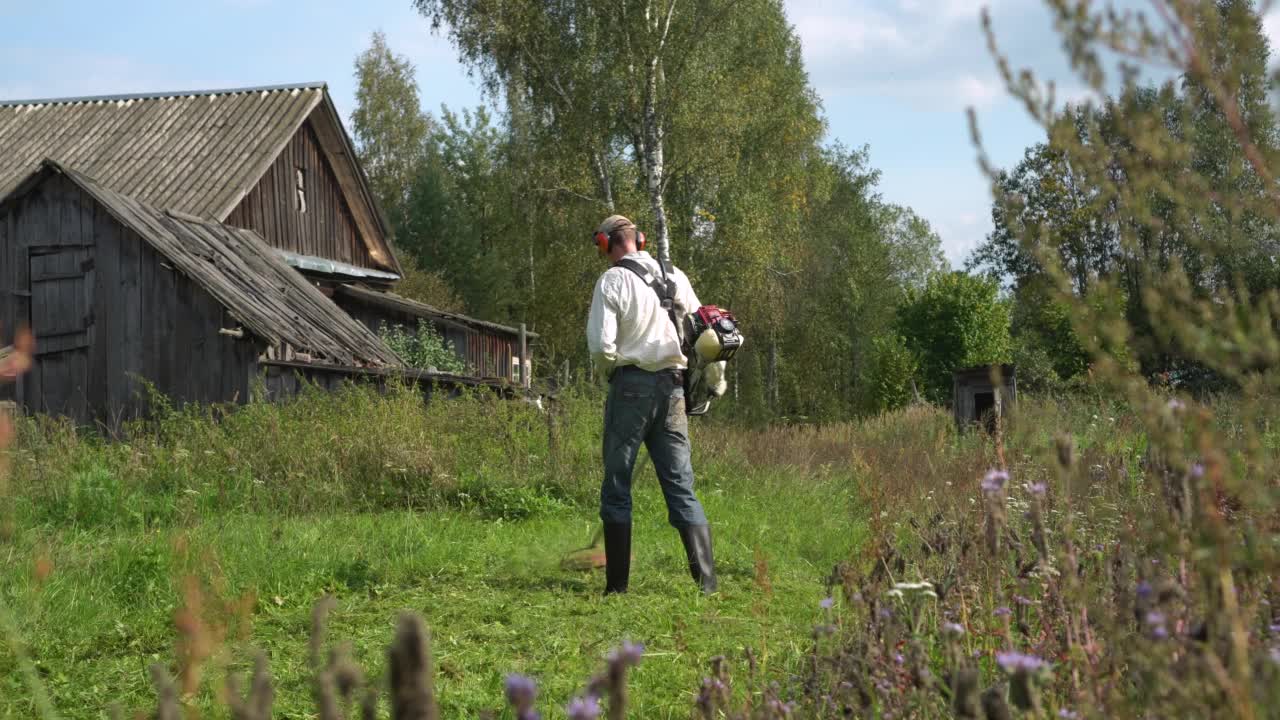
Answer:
(646, 407)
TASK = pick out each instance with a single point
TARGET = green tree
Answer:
(712, 135)
(389, 126)
(891, 374)
(915, 249)
(617, 80)
(956, 321)
(1084, 208)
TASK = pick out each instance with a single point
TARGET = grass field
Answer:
(1099, 558)
(109, 535)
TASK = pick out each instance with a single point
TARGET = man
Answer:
(633, 340)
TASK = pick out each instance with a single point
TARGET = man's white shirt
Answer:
(627, 325)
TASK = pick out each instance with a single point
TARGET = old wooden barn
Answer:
(198, 241)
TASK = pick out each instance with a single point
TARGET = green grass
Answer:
(488, 582)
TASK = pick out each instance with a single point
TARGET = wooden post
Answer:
(524, 357)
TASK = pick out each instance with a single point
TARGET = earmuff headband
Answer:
(605, 242)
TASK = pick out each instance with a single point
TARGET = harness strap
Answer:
(664, 287)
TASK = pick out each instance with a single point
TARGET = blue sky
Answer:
(896, 75)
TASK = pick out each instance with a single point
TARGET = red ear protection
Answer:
(603, 241)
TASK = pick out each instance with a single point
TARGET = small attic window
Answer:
(301, 189)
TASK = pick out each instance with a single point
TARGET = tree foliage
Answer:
(1150, 183)
(768, 218)
(389, 126)
(956, 321)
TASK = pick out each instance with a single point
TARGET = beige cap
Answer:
(614, 222)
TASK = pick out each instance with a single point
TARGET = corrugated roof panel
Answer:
(191, 152)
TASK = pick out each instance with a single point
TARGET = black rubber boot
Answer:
(617, 557)
(697, 547)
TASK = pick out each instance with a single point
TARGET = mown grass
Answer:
(459, 510)
(198, 539)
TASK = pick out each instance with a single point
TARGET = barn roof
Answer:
(248, 277)
(196, 152)
(414, 308)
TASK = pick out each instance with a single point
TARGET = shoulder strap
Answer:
(664, 287)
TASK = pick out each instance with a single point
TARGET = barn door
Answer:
(62, 284)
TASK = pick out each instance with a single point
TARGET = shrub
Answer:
(956, 321)
(891, 377)
(423, 348)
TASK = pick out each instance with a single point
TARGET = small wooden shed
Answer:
(983, 394)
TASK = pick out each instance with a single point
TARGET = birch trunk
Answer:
(653, 160)
(600, 164)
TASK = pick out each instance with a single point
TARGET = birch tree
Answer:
(607, 78)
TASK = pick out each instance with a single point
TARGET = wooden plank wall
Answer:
(326, 229)
(54, 222)
(490, 355)
(15, 289)
(145, 319)
(182, 351)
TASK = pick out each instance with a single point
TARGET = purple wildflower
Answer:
(1012, 662)
(955, 628)
(897, 658)
(1156, 621)
(1039, 489)
(1275, 628)
(994, 481)
(1021, 600)
(1144, 589)
(583, 708)
(521, 691)
(781, 708)
(1175, 405)
(1197, 471)
(1275, 655)
(827, 603)
(885, 613)
(1002, 611)
(1066, 714)
(628, 654)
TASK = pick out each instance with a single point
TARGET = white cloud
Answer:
(848, 37)
(978, 92)
(950, 9)
(928, 53)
